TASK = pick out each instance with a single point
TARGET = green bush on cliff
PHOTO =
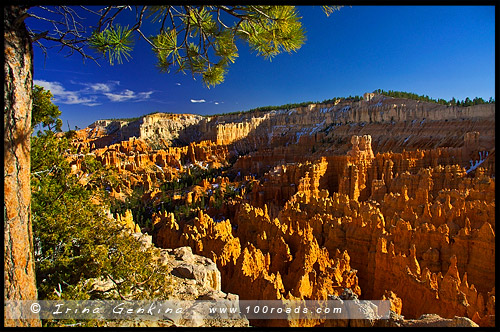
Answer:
(76, 244)
(451, 102)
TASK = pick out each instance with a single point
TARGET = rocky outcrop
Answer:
(424, 213)
(433, 320)
(172, 128)
(290, 126)
(230, 132)
(167, 127)
(385, 198)
(138, 165)
(395, 319)
(428, 214)
(355, 177)
(192, 277)
(311, 271)
(387, 109)
(199, 268)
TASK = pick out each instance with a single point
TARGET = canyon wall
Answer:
(387, 198)
(225, 129)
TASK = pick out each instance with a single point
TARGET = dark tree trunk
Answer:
(19, 273)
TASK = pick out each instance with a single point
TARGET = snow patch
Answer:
(309, 131)
(345, 109)
(477, 163)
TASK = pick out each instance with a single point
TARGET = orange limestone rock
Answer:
(310, 272)
(207, 238)
(396, 303)
(389, 198)
(251, 277)
(230, 132)
(423, 292)
(360, 158)
(399, 224)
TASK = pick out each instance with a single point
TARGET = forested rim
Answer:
(390, 93)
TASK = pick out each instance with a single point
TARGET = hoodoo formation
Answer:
(387, 197)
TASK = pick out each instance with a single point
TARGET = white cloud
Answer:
(177, 83)
(128, 95)
(122, 96)
(101, 87)
(92, 92)
(144, 95)
(63, 96)
(55, 87)
(198, 100)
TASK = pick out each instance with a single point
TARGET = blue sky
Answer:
(439, 51)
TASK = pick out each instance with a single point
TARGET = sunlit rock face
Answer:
(388, 198)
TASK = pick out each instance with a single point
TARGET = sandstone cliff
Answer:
(285, 126)
(387, 198)
(193, 277)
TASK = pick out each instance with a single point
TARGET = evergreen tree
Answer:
(193, 39)
(75, 242)
(44, 112)
(196, 39)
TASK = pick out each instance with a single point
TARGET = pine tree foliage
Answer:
(115, 43)
(202, 40)
(45, 113)
(451, 102)
(205, 45)
(76, 242)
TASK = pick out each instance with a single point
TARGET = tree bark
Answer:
(19, 273)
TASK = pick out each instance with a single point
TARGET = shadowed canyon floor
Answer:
(389, 198)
